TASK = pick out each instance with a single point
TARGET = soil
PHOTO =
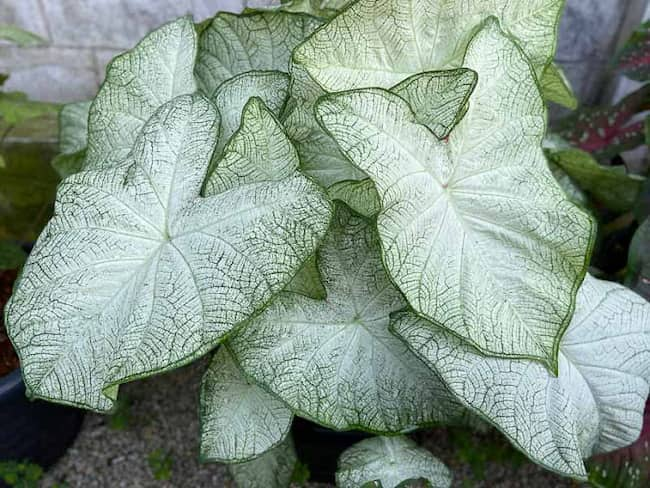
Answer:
(8, 357)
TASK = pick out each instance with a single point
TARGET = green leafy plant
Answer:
(356, 214)
(20, 474)
(160, 463)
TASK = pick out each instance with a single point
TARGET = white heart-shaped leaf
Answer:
(272, 469)
(475, 231)
(137, 273)
(259, 41)
(390, 461)
(239, 420)
(138, 82)
(596, 403)
(557, 88)
(380, 43)
(334, 361)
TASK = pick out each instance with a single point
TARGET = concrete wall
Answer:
(85, 34)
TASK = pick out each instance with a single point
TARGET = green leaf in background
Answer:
(453, 210)
(138, 82)
(27, 189)
(16, 108)
(147, 274)
(320, 157)
(390, 461)
(12, 255)
(438, 99)
(274, 469)
(334, 361)
(557, 88)
(73, 138)
(258, 41)
(608, 185)
(379, 44)
(239, 420)
(318, 8)
(596, 403)
(20, 36)
(360, 196)
(634, 58)
(160, 464)
(638, 264)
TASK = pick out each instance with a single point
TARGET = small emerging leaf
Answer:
(387, 462)
(73, 138)
(230, 98)
(606, 132)
(239, 420)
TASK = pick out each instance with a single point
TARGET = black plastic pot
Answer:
(319, 448)
(34, 431)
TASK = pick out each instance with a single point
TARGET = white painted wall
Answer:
(85, 34)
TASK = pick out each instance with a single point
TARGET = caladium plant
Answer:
(355, 213)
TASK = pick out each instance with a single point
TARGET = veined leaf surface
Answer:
(137, 273)
(73, 138)
(138, 82)
(475, 231)
(596, 403)
(334, 360)
(239, 420)
(258, 41)
(390, 461)
(380, 43)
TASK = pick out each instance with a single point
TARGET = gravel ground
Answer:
(163, 416)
